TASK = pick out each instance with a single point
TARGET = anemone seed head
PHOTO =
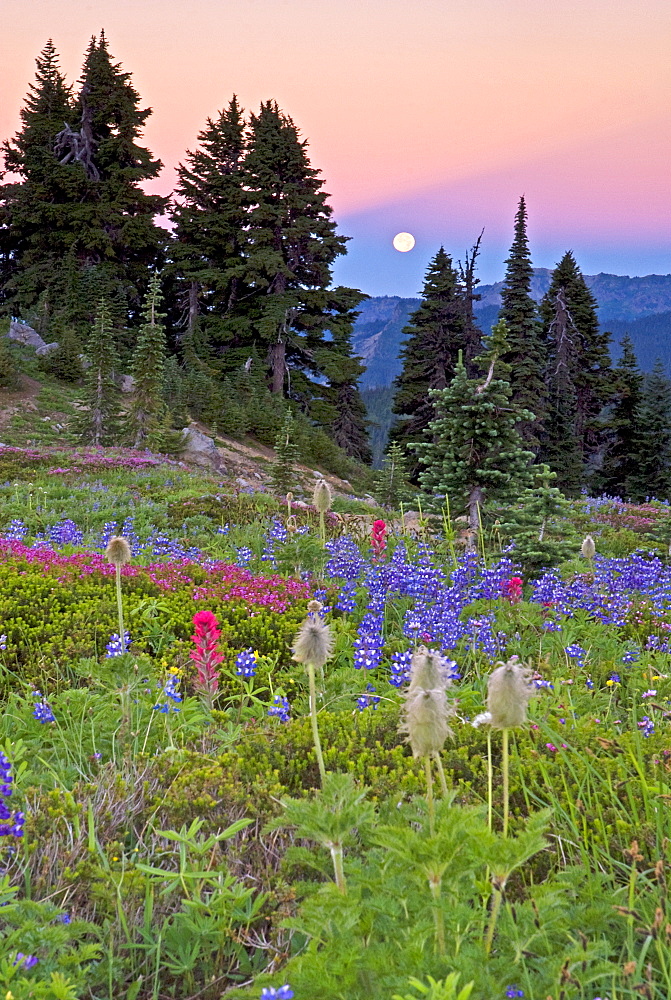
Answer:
(313, 643)
(118, 551)
(588, 548)
(424, 720)
(428, 670)
(322, 497)
(509, 691)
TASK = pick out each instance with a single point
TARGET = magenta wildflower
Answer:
(205, 655)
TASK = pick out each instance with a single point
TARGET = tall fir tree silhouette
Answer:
(435, 334)
(525, 354)
(624, 435)
(578, 362)
(210, 218)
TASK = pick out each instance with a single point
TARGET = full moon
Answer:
(403, 242)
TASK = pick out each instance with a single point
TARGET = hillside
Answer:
(638, 306)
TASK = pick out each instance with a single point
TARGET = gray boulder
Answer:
(47, 348)
(24, 334)
(199, 449)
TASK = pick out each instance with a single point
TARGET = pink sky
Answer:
(431, 116)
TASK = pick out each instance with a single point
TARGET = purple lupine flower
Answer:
(280, 708)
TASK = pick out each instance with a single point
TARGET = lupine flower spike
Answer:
(118, 554)
(313, 646)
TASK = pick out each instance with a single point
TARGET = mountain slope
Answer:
(638, 306)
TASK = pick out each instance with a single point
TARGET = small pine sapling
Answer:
(533, 524)
(283, 475)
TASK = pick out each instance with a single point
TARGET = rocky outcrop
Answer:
(24, 334)
(199, 449)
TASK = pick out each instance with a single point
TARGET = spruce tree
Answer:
(291, 244)
(31, 223)
(588, 361)
(64, 362)
(98, 423)
(146, 417)
(561, 441)
(435, 335)
(210, 219)
(82, 168)
(525, 353)
(391, 483)
(652, 478)
(283, 474)
(346, 422)
(9, 376)
(624, 433)
(475, 454)
(533, 525)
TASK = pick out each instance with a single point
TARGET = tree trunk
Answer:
(474, 506)
(276, 358)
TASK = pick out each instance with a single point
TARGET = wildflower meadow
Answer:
(259, 747)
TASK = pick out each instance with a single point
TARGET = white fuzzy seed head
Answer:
(509, 690)
(588, 548)
(425, 716)
(313, 643)
(428, 670)
(322, 498)
(118, 551)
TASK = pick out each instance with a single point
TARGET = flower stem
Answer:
(435, 885)
(119, 604)
(490, 780)
(322, 527)
(313, 721)
(429, 795)
(506, 789)
(338, 870)
(497, 899)
(441, 774)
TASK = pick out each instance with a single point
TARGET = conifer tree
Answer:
(588, 360)
(347, 422)
(652, 477)
(525, 353)
(210, 219)
(291, 244)
(98, 424)
(561, 442)
(82, 169)
(9, 376)
(532, 524)
(391, 483)
(30, 218)
(435, 335)
(475, 454)
(283, 474)
(64, 362)
(147, 409)
(624, 434)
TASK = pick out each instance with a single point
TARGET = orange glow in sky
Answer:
(402, 101)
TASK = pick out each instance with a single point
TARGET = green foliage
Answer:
(435, 335)
(9, 375)
(475, 455)
(147, 409)
(283, 473)
(391, 487)
(99, 422)
(525, 352)
(651, 476)
(64, 362)
(537, 525)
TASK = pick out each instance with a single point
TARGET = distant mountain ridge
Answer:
(638, 306)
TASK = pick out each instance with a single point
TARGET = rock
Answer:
(127, 384)
(47, 348)
(24, 334)
(199, 449)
